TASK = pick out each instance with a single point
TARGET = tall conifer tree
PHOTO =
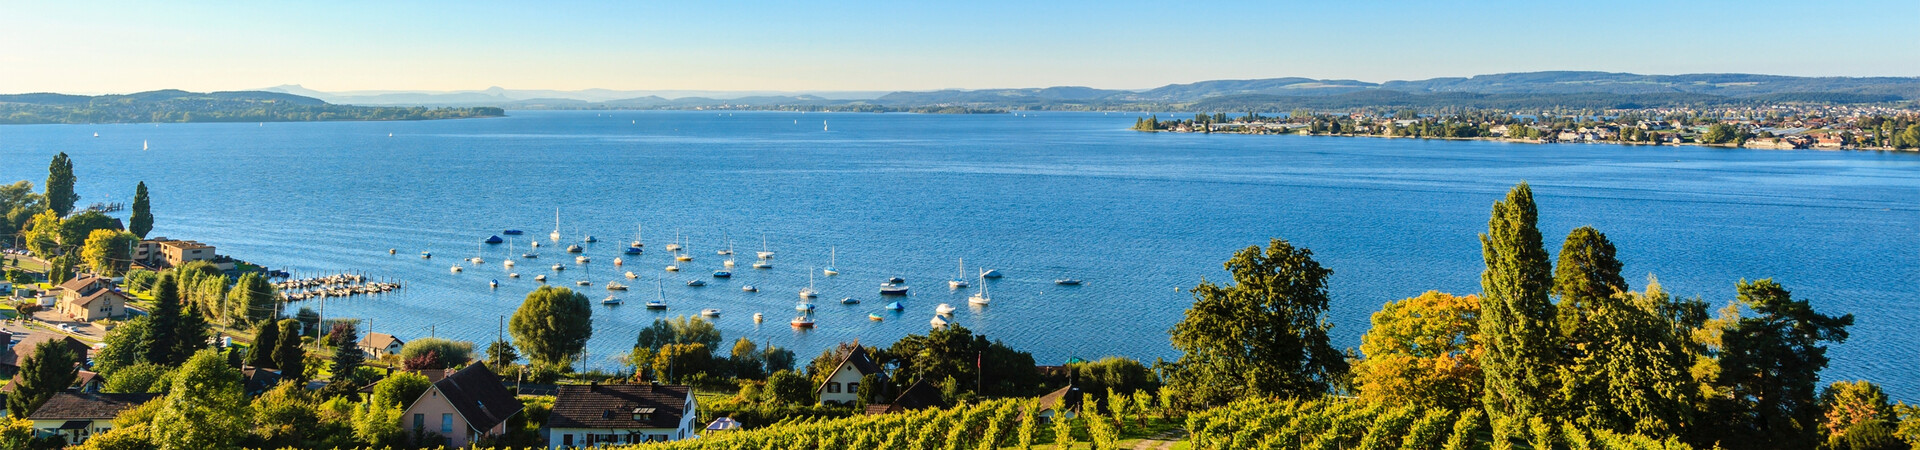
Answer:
(141, 221)
(60, 196)
(1516, 315)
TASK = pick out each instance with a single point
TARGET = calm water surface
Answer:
(1041, 196)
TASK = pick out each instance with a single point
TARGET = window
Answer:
(446, 424)
(657, 437)
(833, 387)
(853, 388)
(419, 422)
(566, 440)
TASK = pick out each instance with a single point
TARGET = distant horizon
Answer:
(121, 46)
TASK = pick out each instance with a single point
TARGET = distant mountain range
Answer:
(1589, 89)
(181, 106)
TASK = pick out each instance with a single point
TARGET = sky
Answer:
(127, 46)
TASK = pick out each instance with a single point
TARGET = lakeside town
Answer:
(1775, 127)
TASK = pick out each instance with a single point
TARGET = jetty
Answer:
(337, 285)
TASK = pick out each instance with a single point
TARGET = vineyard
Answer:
(1338, 423)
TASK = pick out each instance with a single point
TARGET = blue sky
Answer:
(111, 46)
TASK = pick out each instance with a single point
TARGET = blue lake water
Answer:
(1038, 196)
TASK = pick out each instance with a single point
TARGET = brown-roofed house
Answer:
(597, 414)
(88, 298)
(1065, 401)
(381, 344)
(463, 407)
(843, 385)
(77, 417)
(921, 395)
(11, 356)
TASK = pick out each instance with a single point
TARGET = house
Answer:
(843, 384)
(381, 344)
(76, 417)
(1065, 401)
(258, 380)
(605, 414)
(920, 395)
(10, 358)
(466, 406)
(161, 253)
(88, 298)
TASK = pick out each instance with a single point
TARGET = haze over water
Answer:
(1037, 196)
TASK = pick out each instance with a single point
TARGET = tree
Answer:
(675, 363)
(401, 388)
(1849, 403)
(127, 345)
(500, 355)
(1516, 319)
(141, 221)
(285, 415)
(790, 388)
(437, 353)
(49, 370)
(60, 196)
(347, 358)
(1769, 364)
(108, 252)
(1633, 371)
(1423, 351)
(1263, 335)
(1586, 275)
(139, 379)
(43, 235)
(552, 326)
(287, 354)
(205, 408)
(777, 359)
(76, 228)
(1113, 372)
(1719, 133)
(265, 336)
(18, 204)
(164, 321)
(253, 299)
(746, 359)
(379, 424)
(680, 330)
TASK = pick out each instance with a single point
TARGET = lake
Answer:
(1138, 216)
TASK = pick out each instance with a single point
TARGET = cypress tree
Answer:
(142, 220)
(1516, 316)
(165, 320)
(287, 354)
(60, 196)
(265, 336)
(49, 370)
(1586, 275)
(190, 335)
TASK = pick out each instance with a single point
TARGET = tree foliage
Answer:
(1423, 351)
(205, 409)
(108, 252)
(47, 371)
(1516, 317)
(437, 353)
(552, 326)
(141, 220)
(1263, 335)
(60, 196)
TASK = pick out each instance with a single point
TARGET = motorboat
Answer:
(943, 309)
(696, 283)
(630, 276)
(540, 278)
(632, 250)
(939, 322)
(875, 317)
(513, 275)
(849, 301)
(610, 300)
(494, 240)
(558, 267)
(530, 255)
(1067, 282)
(583, 283)
(493, 283)
(957, 282)
(575, 248)
(762, 264)
(582, 259)
(803, 307)
(749, 288)
(710, 312)
(893, 289)
(990, 274)
(426, 255)
(512, 232)
(896, 306)
(456, 269)
(722, 274)
(615, 286)
(801, 322)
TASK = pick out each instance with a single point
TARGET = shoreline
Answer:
(1546, 142)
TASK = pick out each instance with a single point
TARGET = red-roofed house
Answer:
(463, 407)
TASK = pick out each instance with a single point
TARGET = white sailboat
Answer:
(823, 126)
(981, 297)
(555, 235)
(729, 250)
(764, 252)
(957, 282)
(729, 262)
(143, 145)
(808, 292)
(675, 245)
(832, 261)
(636, 237)
(509, 258)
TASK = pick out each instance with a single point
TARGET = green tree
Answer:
(42, 235)
(401, 388)
(253, 299)
(1262, 336)
(1768, 366)
(1850, 403)
(18, 204)
(746, 359)
(60, 195)
(165, 321)
(205, 409)
(76, 228)
(675, 363)
(127, 345)
(1587, 274)
(501, 355)
(108, 252)
(264, 337)
(285, 415)
(552, 326)
(445, 354)
(1719, 133)
(679, 330)
(1634, 373)
(287, 354)
(379, 424)
(1516, 318)
(49, 370)
(786, 387)
(141, 221)
(139, 379)
(347, 356)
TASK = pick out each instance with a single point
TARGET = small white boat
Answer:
(803, 307)
(808, 292)
(636, 238)
(615, 286)
(583, 283)
(981, 297)
(726, 251)
(801, 322)
(762, 264)
(426, 255)
(575, 249)
(833, 260)
(536, 244)
(893, 289)
(673, 268)
(507, 263)
(513, 275)
(589, 239)
(540, 278)
(729, 263)
(875, 317)
(749, 288)
(696, 283)
(630, 276)
(1067, 282)
(555, 235)
(710, 312)
(757, 317)
(493, 283)
(456, 269)
(683, 257)
(610, 300)
(557, 267)
(618, 262)
(582, 259)
(957, 282)
(938, 322)
(944, 309)
(675, 246)
(764, 252)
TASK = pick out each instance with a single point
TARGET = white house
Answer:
(843, 386)
(598, 415)
(76, 417)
